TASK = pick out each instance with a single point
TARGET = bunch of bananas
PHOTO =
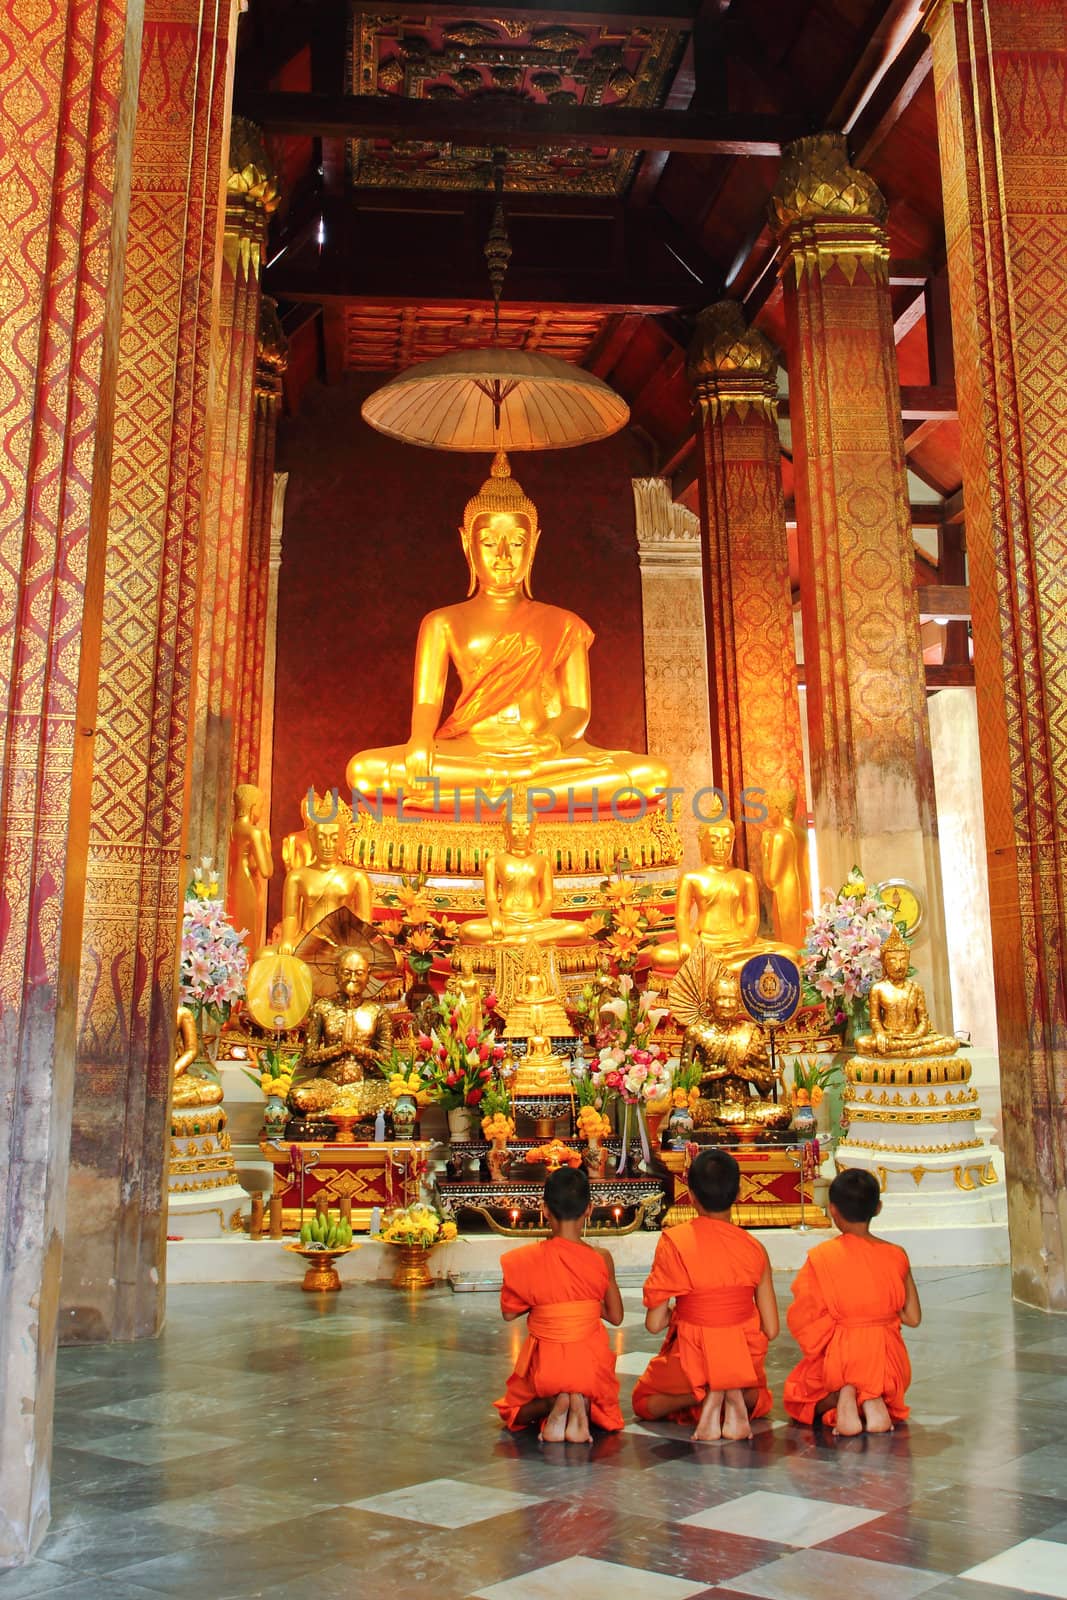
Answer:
(329, 1233)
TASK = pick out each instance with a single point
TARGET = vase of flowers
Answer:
(456, 1062)
(629, 924)
(808, 1093)
(842, 957)
(419, 932)
(414, 1231)
(214, 961)
(631, 1067)
(594, 1127)
(272, 1072)
(408, 1092)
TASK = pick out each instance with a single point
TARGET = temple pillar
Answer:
(672, 613)
(748, 605)
(871, 770)
(251, 195)
(114, 1252)
(270, 637)
(1000, 78)
(68, 93)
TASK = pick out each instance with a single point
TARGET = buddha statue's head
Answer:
(725, 998)
(716, 841)
(780, 803)
(246, 802)
(352, 971)
(500, 533)
(518, 834)
(324, 837)
(896, 956)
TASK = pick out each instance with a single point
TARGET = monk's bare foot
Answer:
(554, 1427)
(709, 1426)
(735, 1423)
(578, 1421)
(848, 1412)
(876, 1418)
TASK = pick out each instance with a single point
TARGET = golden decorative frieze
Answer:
(915, 1149)
(919, 1070)
(252, 189)
(908, 1118)
(730, 365)
(970, 1178)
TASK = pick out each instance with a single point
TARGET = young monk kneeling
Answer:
(849, 1300)
(710, 1369)
(565, 1374)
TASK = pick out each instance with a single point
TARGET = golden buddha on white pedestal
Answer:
(523, 667)
(190, 1091)
(900, 1025)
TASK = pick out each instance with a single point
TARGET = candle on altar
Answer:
(514, 1216)
(616, 1212)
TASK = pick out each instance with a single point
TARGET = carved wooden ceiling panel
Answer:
(590, 64)
(387, 338)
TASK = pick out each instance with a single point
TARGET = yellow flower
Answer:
(618, 893)
(653, 916)
(423, 941)
(628, 919)
(448, 1230)
(594, 925)
(624, 943)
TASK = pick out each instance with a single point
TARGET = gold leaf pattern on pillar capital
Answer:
(272, 349)
(816, 181)
(730, 363)
(252, 178)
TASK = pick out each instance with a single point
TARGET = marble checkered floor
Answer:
(292, 1448)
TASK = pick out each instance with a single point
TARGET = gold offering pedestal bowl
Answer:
(321, 1276)
(345, 1121)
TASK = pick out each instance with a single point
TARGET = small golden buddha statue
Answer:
(730, 1049)
(539, 1071)
(784, 848)
(296, 847)
(464, 987)
(717, 904)
(325, 885)
(900, 1026)
(537, 1011)
(347, 1038)
(523, 667)
(249, 865)
(520, 896)
(189, 1091)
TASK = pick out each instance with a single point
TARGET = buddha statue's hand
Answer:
(418, 760)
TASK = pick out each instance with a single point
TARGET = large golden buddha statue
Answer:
(322, 886)
(717, 905)
(900, 1026)
(523, 668)
(520, 896)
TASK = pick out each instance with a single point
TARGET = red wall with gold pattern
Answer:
(370, 544)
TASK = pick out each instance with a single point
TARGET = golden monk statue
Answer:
(900, 1026)
(717, 904)
(520, 896)
(249, 864)
(523, 668)
(324, 886)
(784, 848)
(730, 1050)
(189, 1090)
(347, 1038)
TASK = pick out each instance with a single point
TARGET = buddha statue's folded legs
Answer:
(465, 774)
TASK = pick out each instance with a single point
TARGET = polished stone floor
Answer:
(277, 1445)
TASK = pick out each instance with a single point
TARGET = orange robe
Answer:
(715, 1339)
(561, 1284)
(845, 1316)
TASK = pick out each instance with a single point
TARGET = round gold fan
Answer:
(692, 985)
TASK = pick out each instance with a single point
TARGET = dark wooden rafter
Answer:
(635, 13)
(500, 120)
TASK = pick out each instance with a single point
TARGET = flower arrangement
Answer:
(841, 957)
(498, 1128)
(214, 961)
(810, 1081)
(553, 1155)
(457, 1060)
(417, 1224)
(273, 1071)
(593, 1124)
(629, 924)
(408, 1083)
(631, 1064)
(420, 932)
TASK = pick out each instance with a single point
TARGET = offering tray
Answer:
(321, 1276)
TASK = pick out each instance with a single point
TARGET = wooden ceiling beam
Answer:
(950, 600)
(614, 344)
(675, 14)
(496, 120)
(928, 402)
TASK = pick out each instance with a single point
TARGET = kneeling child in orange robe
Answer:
(565, 1374)
(710, 1369)
(849, 1300)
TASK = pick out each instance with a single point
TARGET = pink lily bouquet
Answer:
(631, 1066)
(214, 961)
(841, 957)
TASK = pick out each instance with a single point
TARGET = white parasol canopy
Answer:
(493, 399)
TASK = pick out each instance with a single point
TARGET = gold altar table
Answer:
(373, 1173)
(770, 1187)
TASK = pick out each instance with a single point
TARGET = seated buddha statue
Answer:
(900, 1026)
(520, 896)
(730, 1050)
(537, 1011)
(523, 667)
(190, 1090)
(347, 1039)
(717, 904)
(324, 885)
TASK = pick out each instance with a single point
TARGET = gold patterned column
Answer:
(748, 604)
(270, 635)
(68, 76)
(251, 196)
(1000, 78)
(114, 1251)
(672, 613)
(871, 770)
